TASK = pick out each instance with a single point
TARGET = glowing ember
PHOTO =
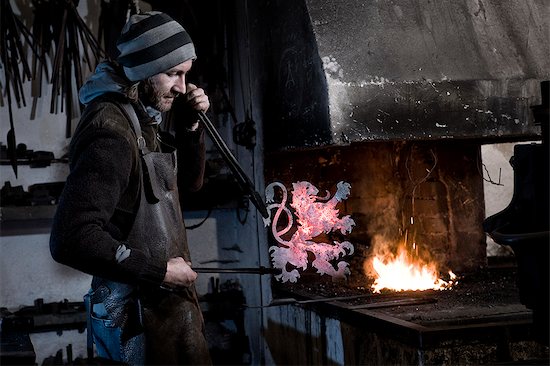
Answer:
(316, 215)
(403, 273)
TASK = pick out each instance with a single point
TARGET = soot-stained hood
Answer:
(349, 71)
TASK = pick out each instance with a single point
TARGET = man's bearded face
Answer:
(158, 95)
(160, 90)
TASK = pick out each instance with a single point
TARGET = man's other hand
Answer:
(179, 273)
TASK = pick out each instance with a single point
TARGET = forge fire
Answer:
(405, 271)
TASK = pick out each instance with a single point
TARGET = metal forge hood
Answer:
(354, 70)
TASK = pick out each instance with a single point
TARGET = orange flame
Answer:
(402, 273)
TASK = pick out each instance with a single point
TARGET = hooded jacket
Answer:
(101, 194)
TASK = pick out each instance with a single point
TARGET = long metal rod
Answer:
(394, 303)
(242, 179)
(293, 301)
(249, 270)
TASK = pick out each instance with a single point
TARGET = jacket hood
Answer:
(105, 79)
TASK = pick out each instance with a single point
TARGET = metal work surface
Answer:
(481, 305)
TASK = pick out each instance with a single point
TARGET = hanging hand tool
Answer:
(12, 57)
(242, 179)
(60, 22)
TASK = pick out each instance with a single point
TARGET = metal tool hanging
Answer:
(58, 20)
(16, 70)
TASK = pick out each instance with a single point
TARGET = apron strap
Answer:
(132, 116)
(153, 191)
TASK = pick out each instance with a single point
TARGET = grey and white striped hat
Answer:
(151, 43)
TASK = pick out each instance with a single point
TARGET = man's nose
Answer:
(179, 86)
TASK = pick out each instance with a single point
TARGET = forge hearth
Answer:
(487, 293)
(439, 184)
(479, 321)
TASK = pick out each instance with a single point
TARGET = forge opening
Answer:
(426, 197)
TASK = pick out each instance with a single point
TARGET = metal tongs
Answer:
(244, 182)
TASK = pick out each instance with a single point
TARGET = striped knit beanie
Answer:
(151, 43)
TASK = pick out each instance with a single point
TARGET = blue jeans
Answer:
(113, 328)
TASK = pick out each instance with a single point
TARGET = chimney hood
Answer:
(352, 71)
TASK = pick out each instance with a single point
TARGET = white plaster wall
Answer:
(28, 272)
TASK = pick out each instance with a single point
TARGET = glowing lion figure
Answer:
(315, 216)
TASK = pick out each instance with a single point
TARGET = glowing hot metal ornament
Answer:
(315, 216)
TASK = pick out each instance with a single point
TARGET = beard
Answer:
(154, 96)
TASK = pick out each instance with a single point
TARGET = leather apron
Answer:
(157, 326)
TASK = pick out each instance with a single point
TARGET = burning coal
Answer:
(404, 270)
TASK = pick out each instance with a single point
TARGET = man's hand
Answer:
(179, 273)
(196, 100)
